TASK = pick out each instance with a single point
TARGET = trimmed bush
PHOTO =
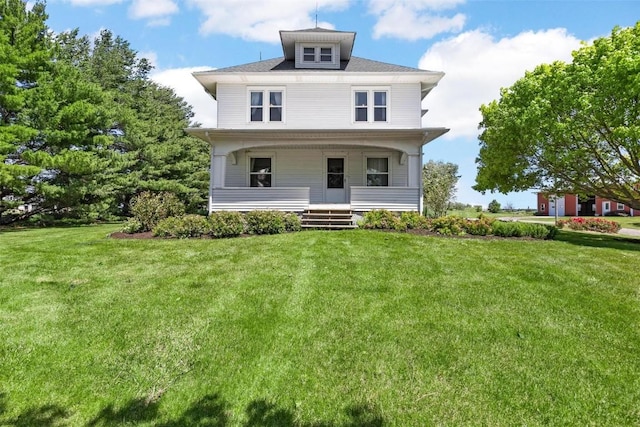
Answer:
(265, 222)
(182, 227)
(599, 225)
(292, 222)
(415, 221)
(225, 224)
(507, 229)
(132, 226)
(149, 208)
(479, 227)
(523, 229)
(449, 225)
(381, 219)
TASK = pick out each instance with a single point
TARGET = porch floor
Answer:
(330, 206)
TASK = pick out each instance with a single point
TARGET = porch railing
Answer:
(391, 198)
(289, 199)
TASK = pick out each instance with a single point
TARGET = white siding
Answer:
(391, 198)
(247, 199)
(319, 106)
(306, 168)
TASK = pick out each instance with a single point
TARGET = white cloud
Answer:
(476, 66)
(159, 22)
(261, 20)
(144, 9)
(94, 2)
(187, 87)
(414, 19)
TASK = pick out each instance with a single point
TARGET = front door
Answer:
(335, 185)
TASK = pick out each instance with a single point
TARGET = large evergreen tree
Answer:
(148, 120)
(24, 55)
(82, 126)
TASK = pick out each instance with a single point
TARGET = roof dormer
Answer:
(317, 47)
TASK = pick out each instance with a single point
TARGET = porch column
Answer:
(414, 172)
(217, 168)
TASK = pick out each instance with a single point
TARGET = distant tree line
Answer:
(83, 128)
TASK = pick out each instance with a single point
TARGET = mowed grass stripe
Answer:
(317, 328)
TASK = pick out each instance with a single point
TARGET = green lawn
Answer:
(354, 328)
(625, 221)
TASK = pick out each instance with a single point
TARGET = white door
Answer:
(335, 179)
(556, 202)
(606, 207)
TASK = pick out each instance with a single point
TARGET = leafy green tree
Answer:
(24, 56)
(439, 181)
(494, 206)
(569, 127)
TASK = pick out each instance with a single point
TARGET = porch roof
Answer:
(420, 136)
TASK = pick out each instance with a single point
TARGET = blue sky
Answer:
(481, 45)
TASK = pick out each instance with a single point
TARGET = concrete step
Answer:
(334, 219)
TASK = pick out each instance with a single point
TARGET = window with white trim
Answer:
(260, 171)
(370, 105)
(313, 54)
(377, 171)
(542, 207)
(620, 206)
(266, 105)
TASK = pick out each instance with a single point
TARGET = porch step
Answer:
(333, 219)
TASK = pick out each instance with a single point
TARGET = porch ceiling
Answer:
(358, 137)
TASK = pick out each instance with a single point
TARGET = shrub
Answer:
(149, 208)
(523, 229)
(292, 222)
(225, 224)
(382, 219)
(413, 220)
(479, 227)
(265, 222)
(449, 225)
(182, 227)
(599, 225)
(507, 229)
(494, 206)
(132, 226)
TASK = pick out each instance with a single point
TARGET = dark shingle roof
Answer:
(355, 64)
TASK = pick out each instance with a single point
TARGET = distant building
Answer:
(572, 205)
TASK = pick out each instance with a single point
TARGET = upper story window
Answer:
(266, 105)
(315, 54)
(371, 105)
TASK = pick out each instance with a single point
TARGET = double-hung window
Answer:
(313, 54)
(260, 171)
(377, 171)
(266, 105)
(370, 105)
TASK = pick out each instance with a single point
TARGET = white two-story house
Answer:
(316, 128)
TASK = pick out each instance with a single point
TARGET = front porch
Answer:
(298, 199)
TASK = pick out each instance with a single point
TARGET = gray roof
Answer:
(315, 30)
(355, 64)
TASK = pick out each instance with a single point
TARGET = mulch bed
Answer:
(121, 235)
(149, 235)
